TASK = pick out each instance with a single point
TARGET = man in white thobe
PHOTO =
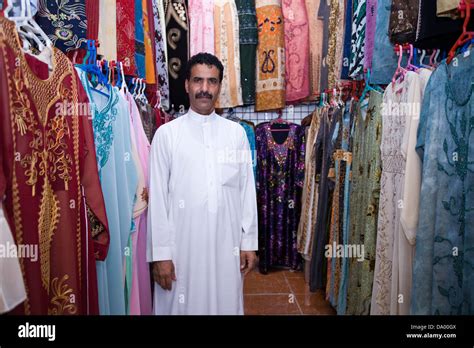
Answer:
(202, 213)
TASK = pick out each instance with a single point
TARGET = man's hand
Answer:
(248, 261)
(163, 272)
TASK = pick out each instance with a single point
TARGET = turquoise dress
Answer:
(118, 178)
(443, 274)
(251, 137)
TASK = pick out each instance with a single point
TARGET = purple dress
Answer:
(280, 169)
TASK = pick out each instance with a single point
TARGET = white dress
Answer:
(202, 212)
(12, 288)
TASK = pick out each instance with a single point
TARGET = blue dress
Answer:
(119, 179)
(443, 274)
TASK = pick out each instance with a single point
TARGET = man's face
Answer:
(203, 88)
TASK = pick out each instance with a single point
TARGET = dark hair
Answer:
(204, 58)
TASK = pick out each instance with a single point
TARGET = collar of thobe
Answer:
(193, 115)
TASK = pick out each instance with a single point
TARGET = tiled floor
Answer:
(281, 292)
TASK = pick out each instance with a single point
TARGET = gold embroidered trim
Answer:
(47, 224)
(62, 295)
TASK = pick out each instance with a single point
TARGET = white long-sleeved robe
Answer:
(202, 213)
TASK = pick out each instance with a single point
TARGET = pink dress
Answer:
(201, 19)
(297, 49)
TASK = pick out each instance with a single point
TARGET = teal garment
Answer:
(118, 179)
(443, 272)
(139, 40)
(251, 137)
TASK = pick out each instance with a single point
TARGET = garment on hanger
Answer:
(403, 21)
(296, 29)
(384, 58)
(139, 40)
(342, 158)
(356, 66)
(12, 292)
(118, 178)
(442, 275)
(227, 50)
(364, 202)
(201, 27)
(65, 23)
(315, 46)
(126, 36)
(248, 39)
(324, 13)
(310, 191)
(161, 53)
(279, 188)
(388, 284)
(250, 131)
(35, 122)
(324, 161)
(150, 60)
(177, 33)
(147, 117)
(270, 85)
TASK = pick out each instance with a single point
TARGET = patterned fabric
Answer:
(148, 25)
(324, 161)
(346, 56)
(248, 37)
(126, 36)
(443, 277)
(310, 191)
(177, 44)
(364, 204)
(344, 275)
(270, 56)
(65, 23)
(296, 49)
(371, 16)
(335, 45)
(227, 50)
(201, 26)
(386, 295)
(44, 202)
(148, 119)
(342, 160)
(108, 29)
(139, 40)
(161, 54)
(315, 46)
(356, 66)
(403, 21)
(279, 188)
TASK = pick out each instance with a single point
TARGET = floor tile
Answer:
(314, 303)
(271, 305)
(271, 283)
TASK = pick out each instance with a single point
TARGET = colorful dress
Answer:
(296, 49)
(47, 154)
(161, 54)
(364, 202)
(270, 85)
(279, 188)
(227, 50)
(201, 27)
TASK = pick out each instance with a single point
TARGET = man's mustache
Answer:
(203, 95)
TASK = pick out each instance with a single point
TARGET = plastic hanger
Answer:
(400, 72)
(124, 86)
(368, 87)
(410, 66)
(466, 36)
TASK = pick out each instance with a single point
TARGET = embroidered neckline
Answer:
(280, 151)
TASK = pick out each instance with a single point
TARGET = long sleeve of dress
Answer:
(248, 199)
(159, 235)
